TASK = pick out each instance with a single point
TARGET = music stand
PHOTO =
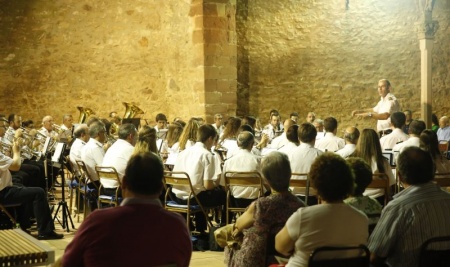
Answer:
(58, 158)
(161, 135)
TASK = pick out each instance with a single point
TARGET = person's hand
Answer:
(18, 133)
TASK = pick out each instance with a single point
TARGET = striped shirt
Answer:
(416, 214)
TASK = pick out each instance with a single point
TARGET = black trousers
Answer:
(29, 196)
(208, 198)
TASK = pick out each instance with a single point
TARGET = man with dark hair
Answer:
(292, 137)
(397, 135)
(416, 214)
(415, 129)
(161, 122)
(294, 116)
(119, 153)
(304, 155)
(311, 117)
(243, 160)
(203, 170)
(138, 233)
(408, 120)
(330, 142)
(274, 128)
(382, 111)
(351, 137)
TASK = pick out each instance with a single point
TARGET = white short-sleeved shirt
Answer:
(325, 225)
(92, 155)
(75, 152)
(301, 160)
(200, 164)
(243, 161)
(117, 156)
(347, 151)
(279, 141)
(330, 142)
(288, 149)
(374, 193)
(5, 175)
(390, 140)
(444, 134)
(388, 104)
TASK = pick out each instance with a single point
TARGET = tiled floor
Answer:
(206, 258)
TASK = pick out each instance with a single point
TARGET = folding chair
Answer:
(345, 256)
(83, 188)
(108, 173)
(4, 209)
(444, 148)
(297, 182)
(73, 176)
(243, 179)
(433, 253)
(182, 179)
(442, 179)
(381, 181)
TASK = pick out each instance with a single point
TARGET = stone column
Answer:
(426, 29)
(215, 35)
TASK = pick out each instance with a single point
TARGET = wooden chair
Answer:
(325, 257)
(444, 148)
(431, 256)
(442, 179)
(4, 209)
(108, 173)
(83, 188)
(243, 179)
(295, 182)
(381, 181)
(182, 179)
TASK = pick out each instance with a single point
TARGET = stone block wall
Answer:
(324, 56)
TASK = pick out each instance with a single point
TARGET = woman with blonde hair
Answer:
(369, 149)
(146, 140)
(188, 136)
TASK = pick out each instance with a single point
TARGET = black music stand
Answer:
(58, 158)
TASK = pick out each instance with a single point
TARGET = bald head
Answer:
(288, 123)
(351, 135)
(47, 123)
(246, 140)
(443, 122)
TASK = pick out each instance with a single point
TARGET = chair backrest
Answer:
(443, 146)
(442, 179)
(381, 181)
(435, 252)
(244, 179)
(84, 172)
(108, 173)
(343, 256)
(298, 180)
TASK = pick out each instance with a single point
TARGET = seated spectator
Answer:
(443, 132)
(369, 149)
(363, 177)
(330, 142)
(138, 233)
(397, 135)
(331, 223)
(434, 123)
(416, 214)
(265, 216)
(351, 137)
(429, 142)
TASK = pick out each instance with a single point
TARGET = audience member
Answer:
(351, 137)
(416, 214)
(397, 135)
(363, 177)
(330, 142)
(331, 223)
(444, 129)
(265, 216)
(429, 142)
(434, 123)
(138, 233)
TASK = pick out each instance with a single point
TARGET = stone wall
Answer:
(198, 57)
(56, 55)
(319, 55)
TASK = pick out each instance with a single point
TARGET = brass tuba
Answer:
(132, 110)
(84, 114)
